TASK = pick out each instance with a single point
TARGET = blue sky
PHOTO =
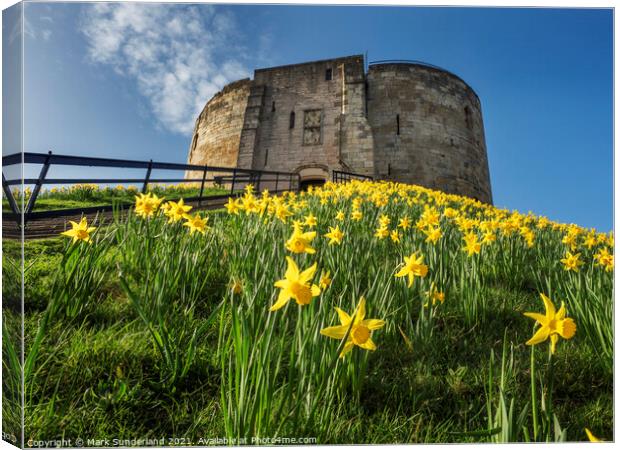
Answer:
(128, 80)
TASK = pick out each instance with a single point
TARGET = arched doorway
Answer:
(308, 182)
(312, 176)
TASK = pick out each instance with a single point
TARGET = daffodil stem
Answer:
(332, 367)
(550, 391)
(533, 391)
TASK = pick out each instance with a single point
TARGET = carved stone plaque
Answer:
(312, 127)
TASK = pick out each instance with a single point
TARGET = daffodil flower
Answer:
(472, 245)
(147, 204)
(412, 268)
(79, 231)
(177, 211)
(361, 329)
(299, 242)
(335, 235)
(325, 280)
(591, 437)
(296, 285)
(553, 324)
(232, 206)
(196, 223)
(572, 261)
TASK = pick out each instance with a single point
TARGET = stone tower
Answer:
(401, 121)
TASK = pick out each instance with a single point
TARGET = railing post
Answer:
(298, 182)
(9, 195)
(202, 185)
(257, 183)
(232, 184)
(37, 187)
(147, 177)
(277, 176)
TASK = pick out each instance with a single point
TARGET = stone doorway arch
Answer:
(315, 175)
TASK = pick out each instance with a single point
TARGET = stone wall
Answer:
(357, 143)
(299, 125)
(404, 122)
(217, 133)
(427, 128)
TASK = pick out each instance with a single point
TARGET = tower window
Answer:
(328, 74)
(273, 106)
(266, 156)
(398, 124)
(291, 122)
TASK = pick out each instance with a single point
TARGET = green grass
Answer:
(83, 196)
(409, 396)
(99, 373)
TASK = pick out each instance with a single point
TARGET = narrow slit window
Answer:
(328, 74)
(266, 156)
(291, 123)
(398, 124)
(273, 106)
(389, 169)
(468, 121)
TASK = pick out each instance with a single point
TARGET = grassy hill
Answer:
(167, 326)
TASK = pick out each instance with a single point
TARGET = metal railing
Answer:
(339, 176)
(236, 178)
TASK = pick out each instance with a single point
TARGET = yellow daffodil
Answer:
(450, 213)
(147, 204)
(325, 280)
(232, 206)
(196, 223)
(177, 211)
(589, 241)
(282, 213)
(472, 245)
(591, 437)
(340, 216)
(430, 216)
(356, 215)
(528, 236)
(361, 329)
(165, 207)
(310, 221)
(382, 232)
(395, 236)
(435, 296)
(296, 285)
(488, 237)
(384, 221)
(79, 231)
(572, 261)
(413, 267)
(299, 242)
(605, 259)
(404, 223)
(433, 234)
(249, 204)
(236, 286)
(335, 235)
(552, 324)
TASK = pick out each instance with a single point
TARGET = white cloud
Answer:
(178, 55)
